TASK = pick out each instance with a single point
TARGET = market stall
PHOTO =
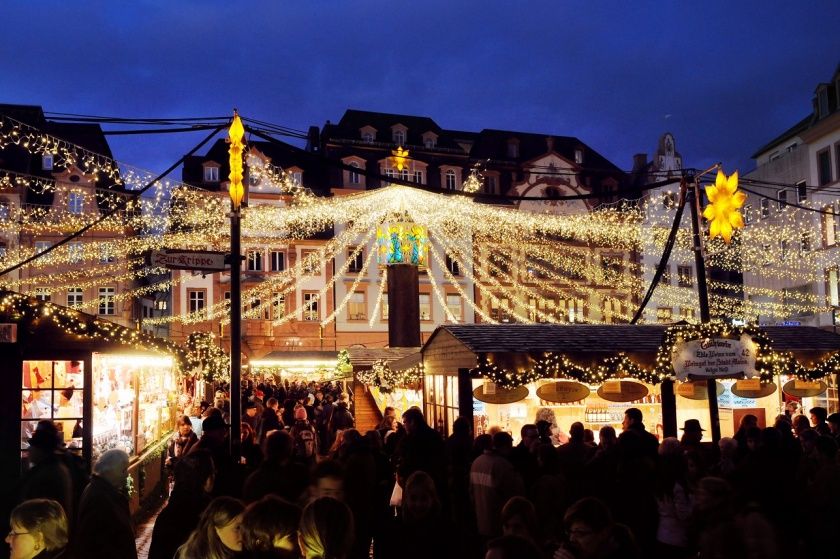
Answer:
(510, 375)
(104, 386)
(377, 378)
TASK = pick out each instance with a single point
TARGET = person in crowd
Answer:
(493, 481)
(327, 410)
(269, 529)
(551, 433)
(524, 455)
(341, 418)
(800, 424)
(219, 532)
(573, 457)
(360, 486)
(833, 421)
(39, 530)
(194, 477)
(181, 442)
(214, 439)
(420, 530)
(249, 449)
(388, 423)
(49, 477)
(519, 518)
(104, 529)
(674, 501)
(305, 438)
(818, 420)
(748, 421)
(589, 438)
(726, 464)
(326, 530)
(252, 415)
(421, 448)
(327, 481)
(593, 534)
(270, 419)
(512, 547)
(278, 474)
(459, 458)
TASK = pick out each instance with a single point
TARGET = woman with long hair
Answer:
(326, 530)
(38, 530)
(218, 533)
(269, 529)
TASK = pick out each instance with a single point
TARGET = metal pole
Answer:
(235, 333)
(703, 292)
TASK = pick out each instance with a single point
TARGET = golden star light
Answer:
(724, 203)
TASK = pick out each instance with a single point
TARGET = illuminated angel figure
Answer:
(724, 202)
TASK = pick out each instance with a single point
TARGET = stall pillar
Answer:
(403, 306)
(669, 408)
(465, 395)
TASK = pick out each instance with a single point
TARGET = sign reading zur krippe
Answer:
(715, 358)
(189, 259)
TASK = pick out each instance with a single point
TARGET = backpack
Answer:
(304, 437)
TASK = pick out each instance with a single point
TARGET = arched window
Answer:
(450, 179)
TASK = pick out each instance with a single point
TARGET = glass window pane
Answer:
(69, 374)
(37, 374)
(67, 403)
(36, 404)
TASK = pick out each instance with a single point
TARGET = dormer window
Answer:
(367, 137)
(513, 148)
(579, 156)
(211, 173)
(75, 202)
(399, 137)
(47, 162)
(368, 134)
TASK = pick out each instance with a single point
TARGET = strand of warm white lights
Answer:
(439, 296)
(456, 284)
(351, 291)
(158, 287)
(379, 296)
(279, 181)
(69, 275)
(56, 288)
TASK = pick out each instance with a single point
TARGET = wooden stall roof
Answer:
(299, 356)
(592, 338)
(363, 358)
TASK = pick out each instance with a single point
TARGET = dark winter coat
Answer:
(104, 529)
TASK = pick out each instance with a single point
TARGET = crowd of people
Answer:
(311, 485)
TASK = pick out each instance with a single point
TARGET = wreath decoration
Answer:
(383, 377)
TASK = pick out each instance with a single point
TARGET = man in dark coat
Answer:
(278, 474)
(214, 438)
(49, 477)
(422, 448)
(104, 529)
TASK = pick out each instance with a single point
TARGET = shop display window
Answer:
(441, 401)
(52, 390)
(132, 401)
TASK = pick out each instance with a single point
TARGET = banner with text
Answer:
(715, 358)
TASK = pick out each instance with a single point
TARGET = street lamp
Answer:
(237, 192)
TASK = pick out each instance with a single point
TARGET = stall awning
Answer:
(297, 359)
(363, 358)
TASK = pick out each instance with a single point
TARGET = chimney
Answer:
(549, 143)
(313, 140)
(639, 161)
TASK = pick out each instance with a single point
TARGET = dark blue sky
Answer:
(724, 77)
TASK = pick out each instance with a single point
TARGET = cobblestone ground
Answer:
(144, 534)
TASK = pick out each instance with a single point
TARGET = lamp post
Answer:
(237, 192)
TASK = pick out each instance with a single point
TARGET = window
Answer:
(367, 137)
(106, 256)
(354, 175)
(47, 162)
(685, 276)
(211, 174)
(418, 177)
(75, 252)
(830, 219)
(278, 306)
(356, 306)
(784, 248)
(196, 299)
(389, 173)
(500, 310)
(297, 177)
(664, 314)
(43, 294)
(425, 306)
(106, 300)
(669, 200)
(310, 265)
(453, 266)
(450, 179)
(833, 288)
(254, 260)
(256, 311)
(765, 207)
(357, 262)
(541, 310)
(782, 197)
(513, 148)
(75, 297)
(612, 311)
(573, 309)
(5, 209)
(824, 167)
(801, 192)
(399, 137)
(384, 308)
(75, 202)
(278, 260)
(41, 246)
(499, 264)
(688, 314)
(578, 156)
(805, 241)
(748, 214)
(3, 249)
(310, 306)
(492, 185)
(429, 143)
(666, 277)
(455, 306)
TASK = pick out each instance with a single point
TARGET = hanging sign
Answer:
(714, 358)
(753, 388)
(563, 392)
(696, 389)
(207, 260)
(804, 388)
(628, 391)
(500, 395)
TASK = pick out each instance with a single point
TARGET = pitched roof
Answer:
(365, 357)
(592, 338)
(794, 130)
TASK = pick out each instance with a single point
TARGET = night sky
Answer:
(723, 77)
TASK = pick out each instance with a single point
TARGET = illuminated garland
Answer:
(206, 359)
(386, 379)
